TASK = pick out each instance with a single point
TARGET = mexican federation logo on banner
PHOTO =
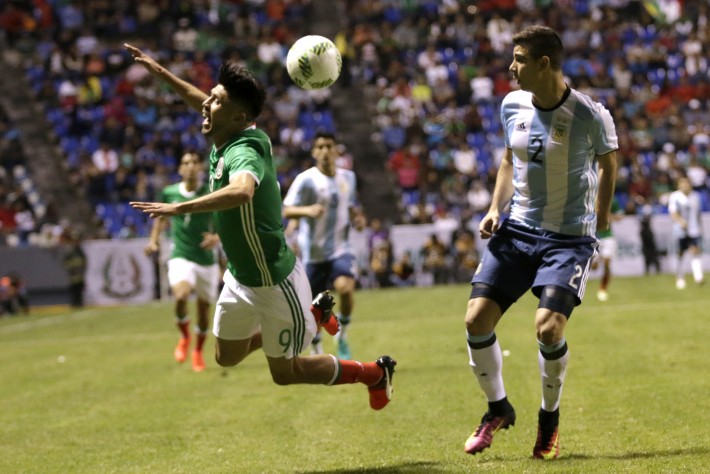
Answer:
(122, 276)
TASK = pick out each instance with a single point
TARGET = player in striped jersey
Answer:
(192, 265)
(685, 209)
(559, 168)
(266, 299)
(323, 199)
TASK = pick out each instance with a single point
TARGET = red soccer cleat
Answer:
(381, 392)
(322, 309)
(198, 362)
(181, 349)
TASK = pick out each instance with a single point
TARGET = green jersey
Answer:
(186, 230)
(252, 234)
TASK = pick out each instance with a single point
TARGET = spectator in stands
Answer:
(434, 256)
(406, 166)
(24, 219)
(479, 197)
(381, 260)
(403, 272)
(105, 159)
(465, 254)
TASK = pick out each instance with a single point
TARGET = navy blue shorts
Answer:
(684, 243)
(518, 258)
(323, 274)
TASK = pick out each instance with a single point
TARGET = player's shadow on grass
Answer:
(694, 451)
(403, 468)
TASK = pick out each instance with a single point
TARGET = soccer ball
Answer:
(313, 62)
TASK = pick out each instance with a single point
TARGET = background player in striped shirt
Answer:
(685, 209)
(266, 299)
(191, 266)
(559, 168)
(323, 199)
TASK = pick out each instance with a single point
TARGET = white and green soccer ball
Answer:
(313, 62)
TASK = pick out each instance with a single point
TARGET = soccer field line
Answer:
(48, 321)
(62, 318)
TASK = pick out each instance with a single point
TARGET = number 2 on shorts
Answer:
(577, 274)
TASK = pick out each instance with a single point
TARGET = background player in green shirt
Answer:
(608, 249)
(265, 302)
(192, 258)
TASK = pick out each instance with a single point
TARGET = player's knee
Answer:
(484, 309)
(283, 377)
(225, 357)
(344, 285)
(551, 329)
(224, 360)
(182, 295)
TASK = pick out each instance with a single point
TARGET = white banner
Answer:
(628, 262)
(118, 272)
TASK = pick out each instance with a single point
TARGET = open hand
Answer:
(156, 209)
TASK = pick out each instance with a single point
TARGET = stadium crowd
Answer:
(440, 71)
(437, 69)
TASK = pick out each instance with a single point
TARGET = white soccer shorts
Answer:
(282, 312)
(608, 247)
(204, 279)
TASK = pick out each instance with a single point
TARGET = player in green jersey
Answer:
(191, 266)
(607, 251)
(266, 299)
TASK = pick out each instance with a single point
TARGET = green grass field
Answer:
(637, 396)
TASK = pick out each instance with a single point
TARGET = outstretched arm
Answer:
(239, 191)
(295, 212)
(193, 96)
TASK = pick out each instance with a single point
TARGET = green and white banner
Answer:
(118, 272)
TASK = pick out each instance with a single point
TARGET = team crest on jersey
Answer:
(559, 133)
(220, 168)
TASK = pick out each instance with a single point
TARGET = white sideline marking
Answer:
(48, 321)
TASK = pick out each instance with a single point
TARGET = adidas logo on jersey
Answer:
(520, 127)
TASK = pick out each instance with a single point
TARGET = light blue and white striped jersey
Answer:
(326, 237)
(555, 173)
(689, 208)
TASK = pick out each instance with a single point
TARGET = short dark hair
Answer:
(541, 41)
(324, 134)
(242, 87)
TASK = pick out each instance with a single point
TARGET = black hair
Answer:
(325, 135)
(541, 41)
(242, 87)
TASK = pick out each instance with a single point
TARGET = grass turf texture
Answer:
(636, 396)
